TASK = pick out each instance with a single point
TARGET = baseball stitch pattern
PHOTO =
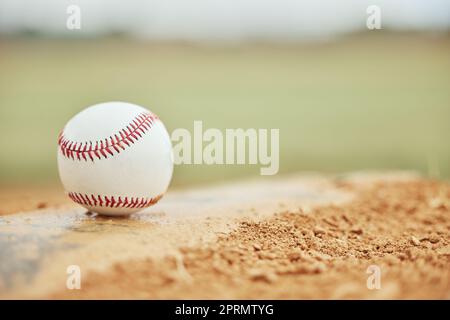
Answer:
(113, 202)
(108, 147)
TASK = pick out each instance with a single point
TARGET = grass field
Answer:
(365, 102)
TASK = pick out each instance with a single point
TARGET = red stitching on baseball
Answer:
(91, 200)
(108, 146)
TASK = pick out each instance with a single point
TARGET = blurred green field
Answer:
(364, 102)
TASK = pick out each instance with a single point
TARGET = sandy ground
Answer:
(296, 237)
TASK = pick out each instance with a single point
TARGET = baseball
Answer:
(115, 158)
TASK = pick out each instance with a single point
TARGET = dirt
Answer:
(329, 251)
(19, 198)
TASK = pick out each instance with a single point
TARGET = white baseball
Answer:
(115, 158)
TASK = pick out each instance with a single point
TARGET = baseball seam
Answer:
(113, 202)
(111, 146)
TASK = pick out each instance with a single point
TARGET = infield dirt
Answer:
(298, 237)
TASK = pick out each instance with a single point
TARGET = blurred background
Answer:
(344, 97)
